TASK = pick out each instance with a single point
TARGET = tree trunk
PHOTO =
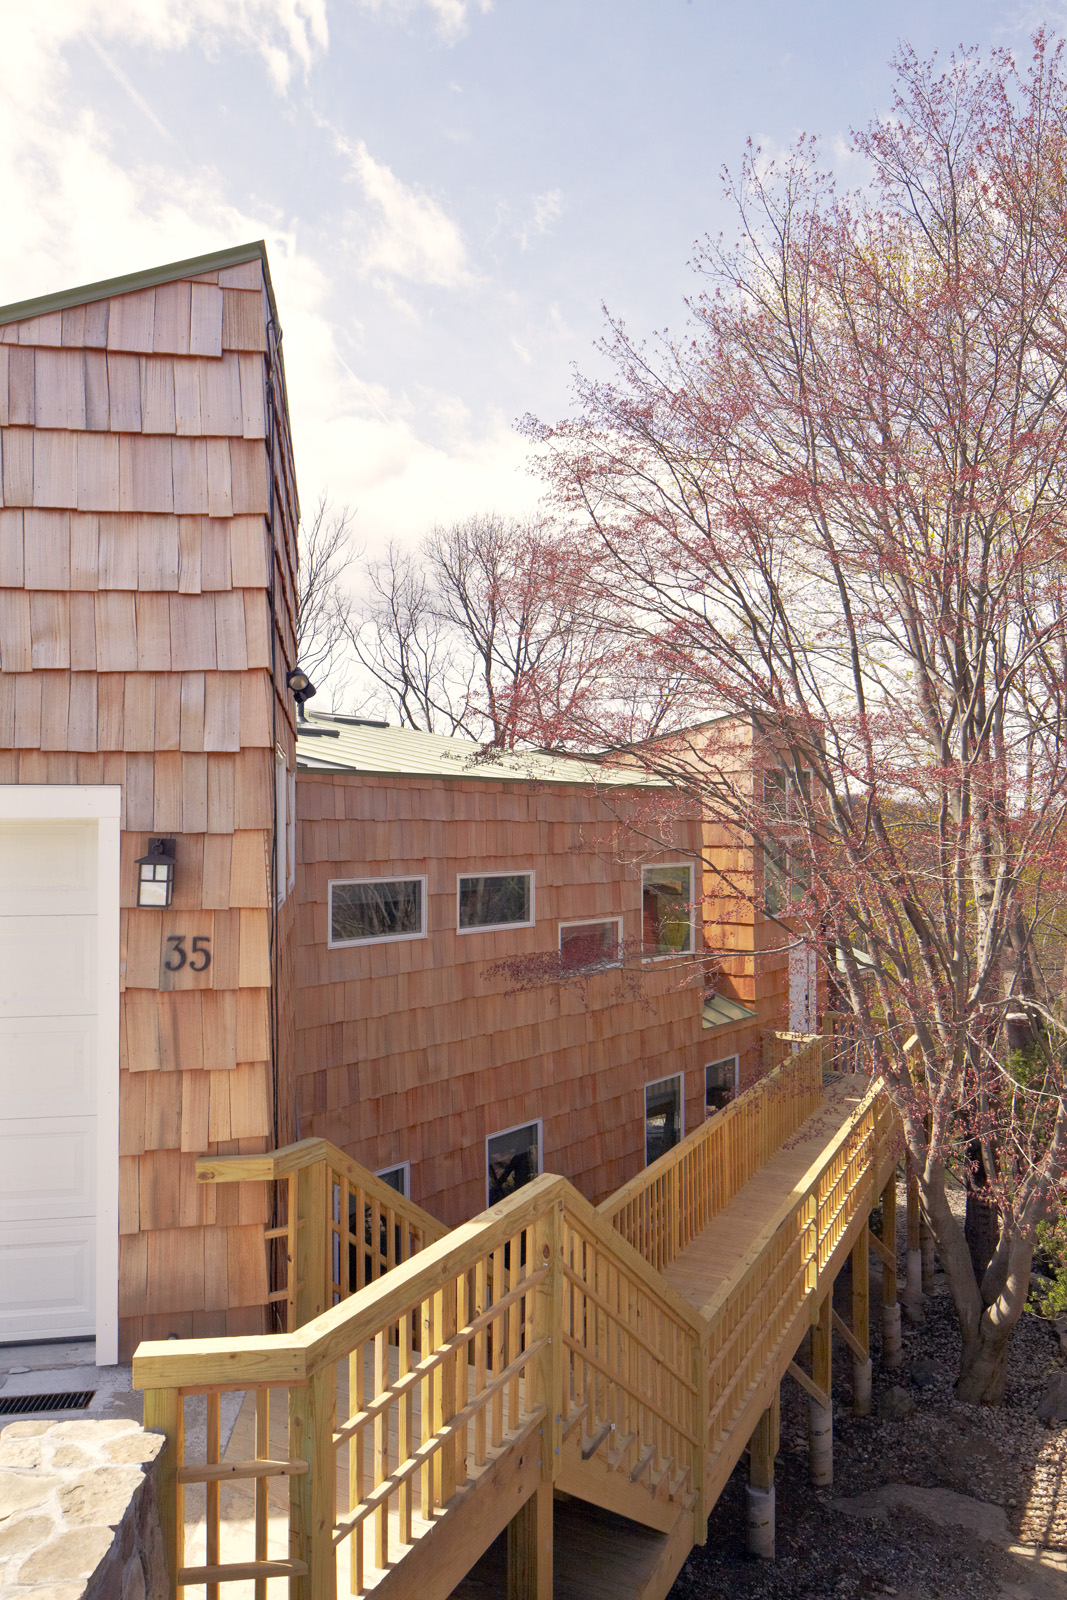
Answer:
(983, 1367)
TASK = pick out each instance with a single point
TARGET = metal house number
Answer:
(177, 955)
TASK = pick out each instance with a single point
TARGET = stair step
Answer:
(575, 1420)
(591, 1442)
(661, 1476)
(621, 1447)
(644, 1461)
(679, 1483)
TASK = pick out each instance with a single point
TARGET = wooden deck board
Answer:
(701, 1269)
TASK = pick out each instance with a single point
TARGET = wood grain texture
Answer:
(135, 649)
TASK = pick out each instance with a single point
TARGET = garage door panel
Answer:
(47, 1169)
(47, 1279)
(47, 966)
(47, 1063)
(47, 867)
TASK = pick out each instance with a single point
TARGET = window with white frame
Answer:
(398, 1178)
(374, 910)
(487, 900)
(512, 1158)
(667, 909)
(786, 864)
(663, 1117)
(585, 945)
(720, 1082)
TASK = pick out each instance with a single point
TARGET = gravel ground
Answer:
(1001, 1457)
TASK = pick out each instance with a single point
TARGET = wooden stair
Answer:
(596, 1556)
(583, 1377)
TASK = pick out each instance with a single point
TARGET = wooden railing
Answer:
(663, 1209)
(790, 1266)
(535, 1317)
(394, 1397)
(339, 1226)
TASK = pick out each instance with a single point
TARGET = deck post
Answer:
(164, 1412)
(891, 1353)
(310, 1268)
(759, 1494)
(530, 1548)
(548, 1325)
(821, 1438)
(701, 1509)
(913, 1284)
(312, 1495)
(861, 1325)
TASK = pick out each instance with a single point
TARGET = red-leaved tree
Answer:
(835, 512)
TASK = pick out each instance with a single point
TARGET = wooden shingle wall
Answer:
(413, 1051)
(136, 436)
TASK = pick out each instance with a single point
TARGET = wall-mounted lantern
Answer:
(155, 874)
(300, 684)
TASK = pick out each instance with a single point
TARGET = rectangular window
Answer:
(720, 1081)
(512, 1158)
(663, 1117)
(667, 909)
(398, 1178)
(496, 900)
(589, 944)
(366, 909)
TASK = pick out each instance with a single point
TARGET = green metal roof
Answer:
(720, 1011)
(148, 279)
(345, 744)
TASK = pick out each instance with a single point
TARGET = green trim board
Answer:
(346, 744)
(131, 282)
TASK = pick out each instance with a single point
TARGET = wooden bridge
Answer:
(583, 1379)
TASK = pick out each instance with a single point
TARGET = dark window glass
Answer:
(396, 1178)
(667, 912)
(494, 900)
(663, 1118)
(588, 944)
(719, 1081)
(512, 1160)
(376, 910)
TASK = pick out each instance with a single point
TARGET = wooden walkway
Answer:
(596, 1553)
(704, 1265)
(607, 1365)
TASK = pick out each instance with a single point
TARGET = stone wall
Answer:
(78, 1517)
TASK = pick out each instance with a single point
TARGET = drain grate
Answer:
(23, 1404)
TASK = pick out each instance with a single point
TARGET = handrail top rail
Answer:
(291, 1158)
(802, 1190)
(641, 1181)
(294, 1358)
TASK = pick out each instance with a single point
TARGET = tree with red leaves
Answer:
(835, 513)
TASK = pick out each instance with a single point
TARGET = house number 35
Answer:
(177, 955)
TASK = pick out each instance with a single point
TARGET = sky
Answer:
(450, 190)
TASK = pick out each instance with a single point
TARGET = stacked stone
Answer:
(78, 1517)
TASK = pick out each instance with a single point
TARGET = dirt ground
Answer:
(1005, 1473)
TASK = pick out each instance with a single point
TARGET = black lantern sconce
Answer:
(301, 686)
(155, 874)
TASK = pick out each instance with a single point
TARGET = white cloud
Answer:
(284, 32)
(413, 237)
(547, 209)
(452, 16)
(78, 205)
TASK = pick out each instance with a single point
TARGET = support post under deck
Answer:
(913, 1291)
(530, 1548)
(759, 1495)
(861, 1325)
(821, 1438)
(891, 1349)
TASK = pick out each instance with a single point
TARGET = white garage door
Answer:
(48, 1067)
